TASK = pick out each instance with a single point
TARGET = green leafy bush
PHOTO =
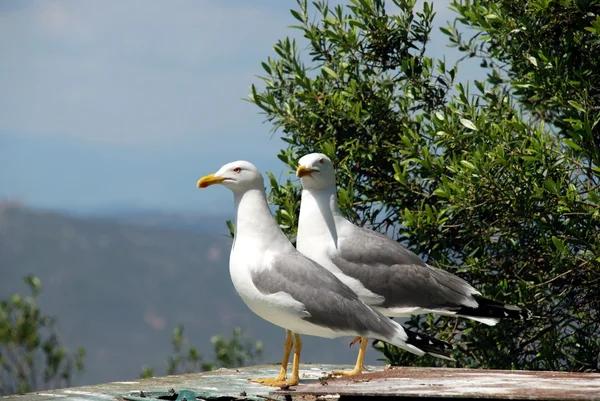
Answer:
(228, 353)
(31, 355)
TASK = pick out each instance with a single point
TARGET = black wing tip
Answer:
(488, 308)
(430, 345)
(514, 312)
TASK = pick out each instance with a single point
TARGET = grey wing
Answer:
(388, 269)
(329, 302)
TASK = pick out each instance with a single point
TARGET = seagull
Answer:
(383, 273)
(291, 291)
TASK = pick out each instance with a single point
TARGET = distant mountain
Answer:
(119, 288)
(215, 223)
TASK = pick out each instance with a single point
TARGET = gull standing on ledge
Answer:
(384, 274)
(291, 291)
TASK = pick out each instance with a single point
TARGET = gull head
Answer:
(316, 171)
(240, 176)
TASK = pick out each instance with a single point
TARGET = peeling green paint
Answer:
(221, 384)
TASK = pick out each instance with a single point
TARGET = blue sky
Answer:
(111, 103)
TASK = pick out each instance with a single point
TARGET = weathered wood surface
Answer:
(402, 383)
(439, 383)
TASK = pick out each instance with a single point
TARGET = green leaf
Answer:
(330, 72)
(550, 185)
(34, 283)
(532, 60)
(440, 192)
(468, 123)
(572, 144)
(297, 15)
(468, 165)
(558, 244)
(231, 228)
(576, 105)
(265, 67)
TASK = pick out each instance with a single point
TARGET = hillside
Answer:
(118, 289)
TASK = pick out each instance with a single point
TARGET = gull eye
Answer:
(321, 160)
(237, 170)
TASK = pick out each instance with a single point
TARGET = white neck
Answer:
(322, 203)
(254, 222)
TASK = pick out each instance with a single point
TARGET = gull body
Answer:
(383, 273)
(290, 290)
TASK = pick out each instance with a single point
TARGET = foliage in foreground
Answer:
(228, 353)
(495, 180)
(31, 355)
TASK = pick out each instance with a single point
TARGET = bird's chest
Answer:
(241, 265)
(317, 247)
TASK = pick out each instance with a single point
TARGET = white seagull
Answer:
(288, 289)
(384, 274)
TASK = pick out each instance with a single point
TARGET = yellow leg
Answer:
(358, 368)
(280, 379)
(296, 367)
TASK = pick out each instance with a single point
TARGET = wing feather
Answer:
(328, 301)
(388, 269)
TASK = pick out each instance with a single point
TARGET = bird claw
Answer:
(356, 339)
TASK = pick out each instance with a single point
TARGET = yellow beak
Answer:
(209, 180)
(303, 171)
